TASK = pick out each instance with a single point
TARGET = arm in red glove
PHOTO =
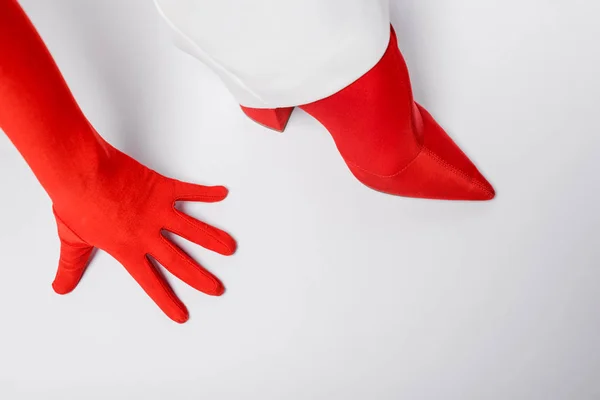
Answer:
(101, 197)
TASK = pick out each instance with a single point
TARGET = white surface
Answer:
(281, 53)
(337, 292)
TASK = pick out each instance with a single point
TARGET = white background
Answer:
(337, 291)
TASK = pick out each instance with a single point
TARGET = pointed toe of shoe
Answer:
(457, 177)
(440, 171)
(434, 176)
(430, 177)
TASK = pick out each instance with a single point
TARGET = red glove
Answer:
(101, 197)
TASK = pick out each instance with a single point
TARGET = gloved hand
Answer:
(101, 197)
(123, 209)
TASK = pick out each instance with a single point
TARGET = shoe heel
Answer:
(272, 118)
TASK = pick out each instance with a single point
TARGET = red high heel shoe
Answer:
(390, 143)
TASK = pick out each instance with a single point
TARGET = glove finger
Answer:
(75, 255)
(72, 264)
(177, 262)
(191, 192)
(201, 233)
(155, 286)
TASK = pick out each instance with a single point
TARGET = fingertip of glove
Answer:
(230, 249)
(220, 191)
(223, 189)
(179, 315)
(61, 289)
(227, 246)
(218, 290)
(181, 319)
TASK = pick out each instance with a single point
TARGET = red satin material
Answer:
(101, 197)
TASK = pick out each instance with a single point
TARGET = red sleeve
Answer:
(38, 111)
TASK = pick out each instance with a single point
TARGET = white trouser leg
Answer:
(278, 53)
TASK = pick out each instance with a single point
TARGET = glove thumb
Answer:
(74, 257)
